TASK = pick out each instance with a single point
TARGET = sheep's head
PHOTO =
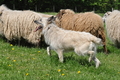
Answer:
(60, 14)
(64, 11)
(3, 7)
(106, 15)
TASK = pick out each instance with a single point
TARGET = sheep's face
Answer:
(64, 11)
(3, 7)
(60, 14)
(106, 15)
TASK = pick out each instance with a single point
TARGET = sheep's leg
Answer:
(48, 51)
(60, 55)
(92, 57)
(105, 48)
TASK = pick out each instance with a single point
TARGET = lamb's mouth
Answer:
(39, 27)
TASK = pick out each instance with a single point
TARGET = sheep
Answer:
(106, 15)
(61, 40)
(16, 24)
(112, 26)
(88, 22)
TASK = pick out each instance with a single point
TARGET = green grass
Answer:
(25, 63)
(50, 13)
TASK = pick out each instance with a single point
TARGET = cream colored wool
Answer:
(113, 27)
(88, 22)
(20, 24)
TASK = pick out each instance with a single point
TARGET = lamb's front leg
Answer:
(97, 62)
(48, 51)
(60, 55)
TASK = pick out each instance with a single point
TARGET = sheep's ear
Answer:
(1, 12)
(108, 13)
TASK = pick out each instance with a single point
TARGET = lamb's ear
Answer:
(50, 18)
(37, 22)
(54, 18)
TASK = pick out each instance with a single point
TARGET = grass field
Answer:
(29, 63)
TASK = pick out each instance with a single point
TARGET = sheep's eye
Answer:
(40, 19)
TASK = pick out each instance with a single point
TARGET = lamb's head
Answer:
(44, 22)
(106, 15)
(39, 22)
(51, 20)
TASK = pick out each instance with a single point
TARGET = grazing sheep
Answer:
(88, 22)
(113, 26)
(61, 40)
(16, 24)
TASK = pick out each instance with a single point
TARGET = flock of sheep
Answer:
(67, 30)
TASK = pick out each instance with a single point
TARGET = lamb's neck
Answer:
(52, 31)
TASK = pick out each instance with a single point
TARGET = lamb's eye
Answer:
(40, 19)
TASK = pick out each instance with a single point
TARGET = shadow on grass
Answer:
(81, 61)
(24, 43)
(72, 60)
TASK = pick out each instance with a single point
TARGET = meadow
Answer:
(30, 63)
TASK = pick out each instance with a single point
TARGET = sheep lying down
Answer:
(61, 40)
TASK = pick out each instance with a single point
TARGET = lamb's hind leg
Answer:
(92, 57)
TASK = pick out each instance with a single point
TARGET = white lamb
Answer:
(61, 40)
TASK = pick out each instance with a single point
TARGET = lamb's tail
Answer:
(98, 41)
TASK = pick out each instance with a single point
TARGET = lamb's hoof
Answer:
(98, 64)
(49, 54)
(61, 61)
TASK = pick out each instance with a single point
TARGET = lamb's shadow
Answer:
(81, 60)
